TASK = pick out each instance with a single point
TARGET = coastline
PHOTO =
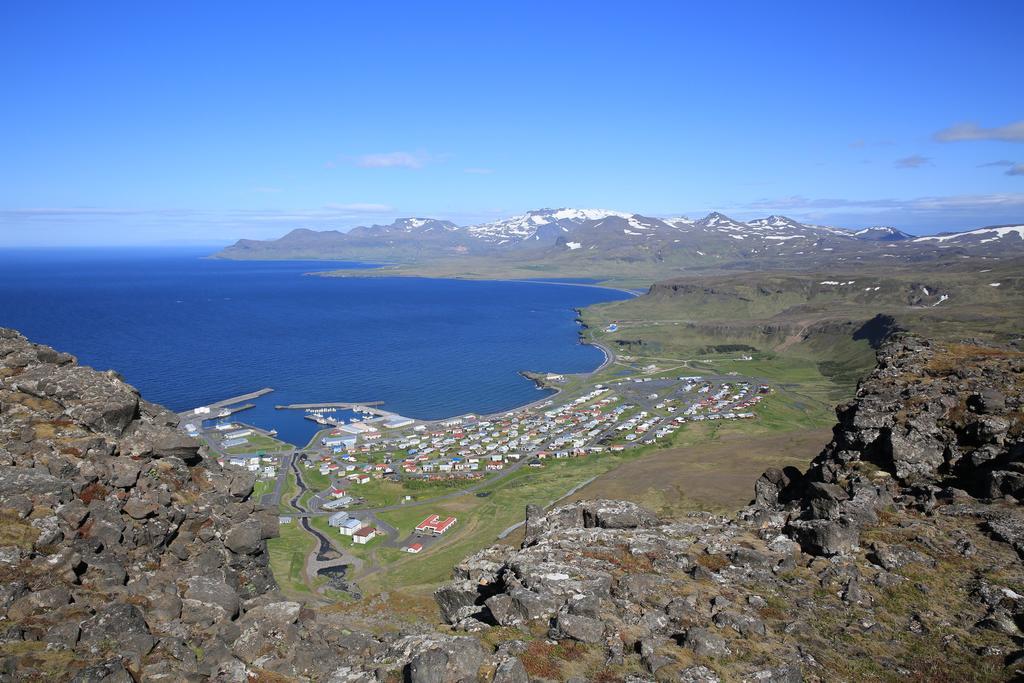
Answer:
(609, 358)
(383, 272)
(551, 391)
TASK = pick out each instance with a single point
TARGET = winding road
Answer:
(325, 559)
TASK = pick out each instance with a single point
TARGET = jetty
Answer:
(343, 406)
(240, 399)
(225, 412)
(228, 406)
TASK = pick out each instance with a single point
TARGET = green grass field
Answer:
(481, 519)
(288, 557)
(807, 339)
(288, 492)
(382, 492)
(262, 487)
(315, 480)
(259, 442)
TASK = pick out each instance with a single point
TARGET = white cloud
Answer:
(414, 160)
(1016, 169)
(1007, 200)
(921, 214)
(329, 213)
(913, 161)
(1012, 132)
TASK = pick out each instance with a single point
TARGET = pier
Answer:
(343, 406)
(212, 411)
(225, 412)
(239, 399)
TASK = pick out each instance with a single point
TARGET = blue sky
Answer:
(176, 122)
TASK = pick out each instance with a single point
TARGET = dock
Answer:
(214, 410)
(343, 406)
(240, 399)
(225, 412)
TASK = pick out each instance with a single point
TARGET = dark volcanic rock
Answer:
(123, 545)
(816, 572)
(127, 554)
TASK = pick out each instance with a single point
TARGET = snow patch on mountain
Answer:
(522, 227)
(998, 232)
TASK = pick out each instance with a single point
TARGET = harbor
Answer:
(337, 405)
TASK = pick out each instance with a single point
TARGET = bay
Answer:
(186, 331)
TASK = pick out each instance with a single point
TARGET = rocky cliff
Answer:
(125, 554)
(896, 556)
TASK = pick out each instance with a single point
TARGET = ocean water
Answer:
(187, 331)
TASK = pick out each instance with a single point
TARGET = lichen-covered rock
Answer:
(134, 557)
(816, 572)
(132, 551)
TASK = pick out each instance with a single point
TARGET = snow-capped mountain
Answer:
(406, 225)
(774, 222)
(681, 222)
(882, 233)
(995, 233)
(574, 235)
(720, 222)
(531, 225)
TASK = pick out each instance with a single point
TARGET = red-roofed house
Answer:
(414, 548)
(364, 535)
(435, 525)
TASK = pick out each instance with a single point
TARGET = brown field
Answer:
(717, 476)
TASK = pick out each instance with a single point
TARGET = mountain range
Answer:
(569, 237)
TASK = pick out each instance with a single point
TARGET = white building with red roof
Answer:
(435, 525)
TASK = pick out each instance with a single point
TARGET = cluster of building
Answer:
(469, 446)
(732, 401)
(359, 531)
(265, 466)
(625, 413)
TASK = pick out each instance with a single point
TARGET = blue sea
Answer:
(186, 331)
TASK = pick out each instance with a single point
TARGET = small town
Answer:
(350, 467)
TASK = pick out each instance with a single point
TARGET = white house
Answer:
(350, 526)
(364, 535)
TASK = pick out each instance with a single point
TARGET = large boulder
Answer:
(246, 538)
(825, 536)
(208, 591)
(120, 628)
(454, 660)
(705, 643)
(574, 627)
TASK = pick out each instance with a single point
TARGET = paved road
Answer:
(285, 462)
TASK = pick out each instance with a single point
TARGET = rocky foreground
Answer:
(125, 554)
(896, 556)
